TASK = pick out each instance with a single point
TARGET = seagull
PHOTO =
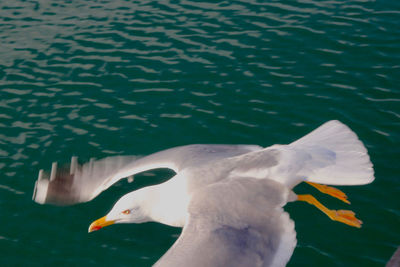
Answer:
(229, 199)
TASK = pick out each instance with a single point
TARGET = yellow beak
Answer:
(100, 223)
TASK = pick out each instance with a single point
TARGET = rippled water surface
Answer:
(102, 78)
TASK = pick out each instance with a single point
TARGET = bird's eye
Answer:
(126, 212)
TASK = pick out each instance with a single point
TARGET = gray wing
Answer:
(238, 222)
(81, 183)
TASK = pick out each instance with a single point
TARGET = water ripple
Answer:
(12, 190)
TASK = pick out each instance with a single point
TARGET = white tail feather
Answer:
(335, 156)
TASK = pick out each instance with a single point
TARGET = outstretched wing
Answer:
(237, 222)
(81, 183)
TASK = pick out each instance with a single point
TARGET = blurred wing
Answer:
(238, 222)
(65, 186)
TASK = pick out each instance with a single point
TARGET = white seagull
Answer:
(227, 198)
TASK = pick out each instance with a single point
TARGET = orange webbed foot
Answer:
(332, 191)
(344, 216)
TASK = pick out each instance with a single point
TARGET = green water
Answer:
(103, 78)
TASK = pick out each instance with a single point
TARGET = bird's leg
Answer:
(345, 216)
(329, 190)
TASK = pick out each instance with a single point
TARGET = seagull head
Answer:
(131, 208)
